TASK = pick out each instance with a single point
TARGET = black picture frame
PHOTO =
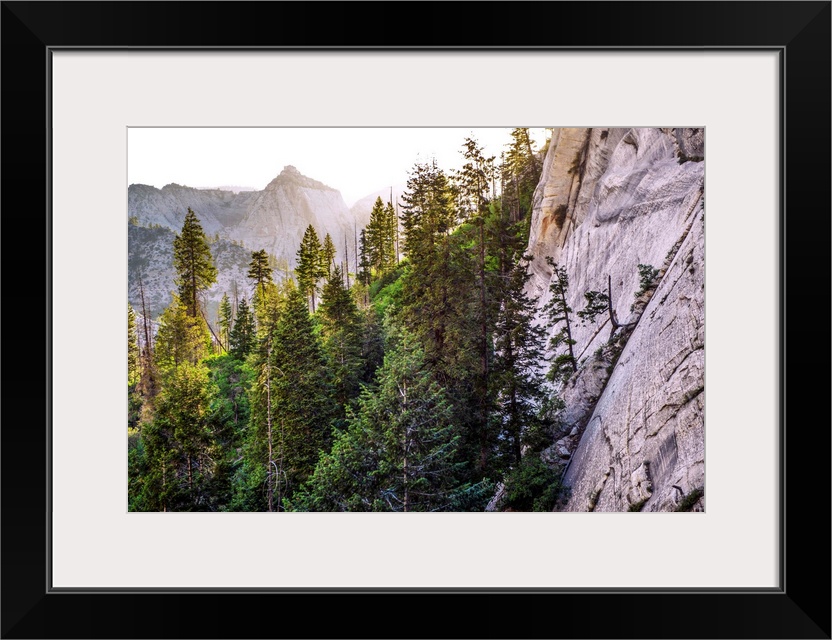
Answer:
(799, 31)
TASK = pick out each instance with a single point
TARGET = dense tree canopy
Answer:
(405, 378)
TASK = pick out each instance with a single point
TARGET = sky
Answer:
(356, 161)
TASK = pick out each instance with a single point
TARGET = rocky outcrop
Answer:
(218, 210)
(608, 201)
(278, 216)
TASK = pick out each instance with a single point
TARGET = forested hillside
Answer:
(406, 382)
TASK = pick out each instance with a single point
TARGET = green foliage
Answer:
(364, 262)
(228, 418)
(341, 327)
(519, 175)
(399, 451)
(379, 238)
(647, 275)
(171, 467)
(181, 339)
(132, 348)
(474, 181)
(244, 333)
(301, 395)
(372, 343)
(309, 262)
(327, 257)
(226, 320)
(516, 382)
(412, 391)
(386, 292)
(558, 312)
(597, 302)
(690, 499)
(195, 271)
(259, 270)
(532, 486)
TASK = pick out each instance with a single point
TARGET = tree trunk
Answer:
(269, 425)
(193, 283)
(190, 477)
(568, 326)
(405, 447)
(483, 351)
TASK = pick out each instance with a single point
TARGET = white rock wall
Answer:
(609, 200)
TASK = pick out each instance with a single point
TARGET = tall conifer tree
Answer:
(308, 267)
(195, 271)
(226, 319)
(341, 326)
(300, 396)
(244, 333)
(327, 256)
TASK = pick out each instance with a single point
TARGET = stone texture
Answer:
(631, 196)
(278, 216)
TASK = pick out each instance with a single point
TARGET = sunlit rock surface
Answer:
(609, 200)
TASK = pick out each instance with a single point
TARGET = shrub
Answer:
(532, 486)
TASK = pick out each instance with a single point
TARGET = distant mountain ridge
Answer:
(273, 219)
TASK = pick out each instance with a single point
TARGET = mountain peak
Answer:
(290, 175)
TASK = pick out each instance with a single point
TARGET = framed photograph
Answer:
(691, 102)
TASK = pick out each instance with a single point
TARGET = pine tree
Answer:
(259, 480)
(259, 270)
(391, 253)
(376, 239)
(364, 264)
(341, 327)
(327, 257)
(441, 303)
(181, 339)
(473, 182)
(181, 438)
(195, 271)
(300, 398)
(558, 311)
(243, 334)
(400, 450)
(134, 400)
(428, 217)
(228, 422)
(148, 383)
(308, 268)
(517, 384)
(520, 174)
(226, 319)
(133, 371)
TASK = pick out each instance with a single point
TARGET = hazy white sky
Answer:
(356, 161)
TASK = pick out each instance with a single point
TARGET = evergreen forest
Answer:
(413, 379)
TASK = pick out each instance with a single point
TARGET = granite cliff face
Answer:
(277, 217)
(218, 210)
(632, 432)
